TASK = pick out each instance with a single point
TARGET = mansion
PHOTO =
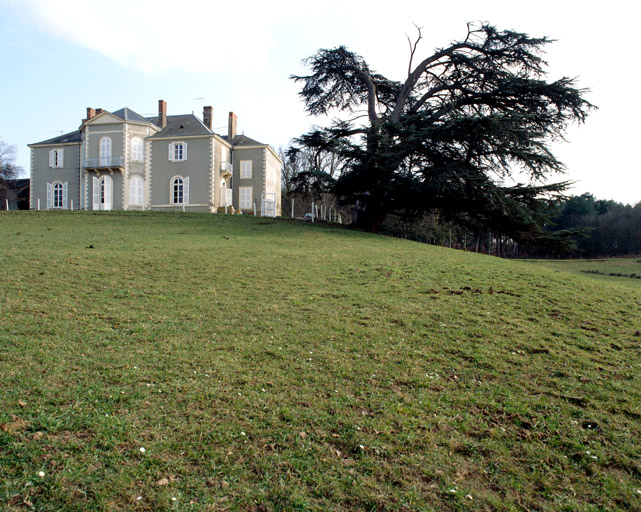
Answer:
(123, 161)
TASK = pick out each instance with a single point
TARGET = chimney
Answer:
(207, 115)
(99, 111)
(162, 113)
(231, 127)
(90, 113)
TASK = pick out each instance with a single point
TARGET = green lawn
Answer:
(622, 271)
(159, 361)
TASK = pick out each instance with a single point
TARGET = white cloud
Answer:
(160, 35)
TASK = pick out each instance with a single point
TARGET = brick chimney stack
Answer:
(162, 113)
(90, 113)
(207, 117)
(231, 127)
(99, 111)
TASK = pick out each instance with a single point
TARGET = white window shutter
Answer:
(65, 193)
(51, 157)
(61, 158)
(96, 194)
(49, 195)
(185, 152)
(171, 152)
(186, 190)
(108, 194)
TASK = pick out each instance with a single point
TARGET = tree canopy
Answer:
(8, 169)
(464, 120)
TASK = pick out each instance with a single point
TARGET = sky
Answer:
(61, 56)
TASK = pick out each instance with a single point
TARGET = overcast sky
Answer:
(61, 56)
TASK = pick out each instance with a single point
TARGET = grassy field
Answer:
(154, 361)
(622, 271)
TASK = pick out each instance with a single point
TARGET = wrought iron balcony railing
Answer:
(104, 161)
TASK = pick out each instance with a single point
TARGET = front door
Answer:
(103, 193)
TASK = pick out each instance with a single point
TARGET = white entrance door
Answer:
(103, 193)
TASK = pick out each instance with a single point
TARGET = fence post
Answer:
(71, 204)
(38, 204)
(312, 211)
(292, 208)
(254, 208)
(7, 202)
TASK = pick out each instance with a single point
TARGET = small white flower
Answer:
(173, 498)
(243, 434)
(594, 457)
(468, 497)
(41, 473)
(638, 491)
(263, 390)
(362, 447)
(142, 449)
(453, 491)
(139, 498)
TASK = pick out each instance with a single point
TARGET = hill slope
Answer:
(198, 362)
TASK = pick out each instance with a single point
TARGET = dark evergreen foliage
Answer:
(465, 120)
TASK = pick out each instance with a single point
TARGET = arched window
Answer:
(179, 190)
(136, 191)
(105, 151)
(136, 149)
(57, 195)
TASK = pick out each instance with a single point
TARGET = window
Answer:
(245, 169)
(177, 151)
(136, 191)
(105, 151)
(56, 157)
(136, 149)
(179, 190)
(57, 194)
(245, 197)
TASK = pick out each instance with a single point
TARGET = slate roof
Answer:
(126, 114)
(61, 139)
(243, 140)
(179, 126)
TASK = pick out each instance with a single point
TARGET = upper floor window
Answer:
(245, 169)
(177, 151)
(179, 190)
(136, 149)
(105, 151)
(136, 191)
(56, 157)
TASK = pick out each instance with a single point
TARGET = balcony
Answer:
(104, 162)
(226, 169)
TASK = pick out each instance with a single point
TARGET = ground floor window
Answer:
(57, 193)
(179, 190)
(245, 197)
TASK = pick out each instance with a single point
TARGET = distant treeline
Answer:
(605, 228)
(611, 228)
